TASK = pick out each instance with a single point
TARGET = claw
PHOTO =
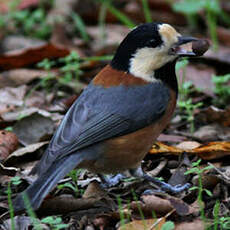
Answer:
(110, 181)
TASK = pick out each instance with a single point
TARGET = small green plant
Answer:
(66, 185)
(54, 222)
(222, 89)
(45, 64)
(9, 128)
(71, 67)
(184, 86)
(101, 22)
(212, 10)
(221, 223)
(31, 23)
(10, 203)
(196, 169)
(70, 71)
(189, 108)
(74, 174)
(31, 212)
(118, 14)
(185, 89)
(138, 206)
(168, 225)
(216, 215)
(14, 181)
(80, 26)
(147, 13)
(224, 223)
(121, 212)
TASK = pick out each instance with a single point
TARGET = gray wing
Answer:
(93, 118)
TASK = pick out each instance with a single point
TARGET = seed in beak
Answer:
(200, 47)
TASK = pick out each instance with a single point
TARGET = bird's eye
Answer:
(152, 43)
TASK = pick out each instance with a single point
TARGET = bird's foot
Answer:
(109, 181)
(163, 186)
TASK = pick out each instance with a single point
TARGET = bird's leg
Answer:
(138, 172)
(111, 180)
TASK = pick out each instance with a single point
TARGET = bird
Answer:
(114, 122)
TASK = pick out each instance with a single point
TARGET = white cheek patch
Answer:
(146, 61)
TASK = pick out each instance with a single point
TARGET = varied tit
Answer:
(117, 118)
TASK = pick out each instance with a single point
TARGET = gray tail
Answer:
(37, 191)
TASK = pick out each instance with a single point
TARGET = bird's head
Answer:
(149, 47)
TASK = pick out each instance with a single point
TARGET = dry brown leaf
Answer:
(209, 151)
(8, 171)
(195, 224)
(143, 225)
(8, 144)
(25, 57)
(11, 97)
(101, 222)
(15, 156)
(94, 190)
(159, 12)
(34, 128)
(200, 76)
(17, 77)
(66, 204)
(171, 138)
(23, 4)
(213, 150)
(223, 35)
(212, 132)
(114, 35)
(152, 203)
(222, 55)
(213, 114)
(161, 148)
(188, 145)
(23, 112)
(208, 181)
(15, 43)
(180, 206)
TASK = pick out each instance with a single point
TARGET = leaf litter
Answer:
(33, 119)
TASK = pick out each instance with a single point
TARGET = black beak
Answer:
(184, 40)
(177, 50)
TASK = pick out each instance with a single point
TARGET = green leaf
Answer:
(66, 185)
(98, 58)
(16, 180)
(39, 15)
(194, 188)
(80, 25)
(147, 13)
(208, 192)
(48, 220)
(181, 64)
(117, 13)
(194, 164)
(213, 5)
(9, 128)
(207, 168)
(169, 225)
(188, 6)
(61, 226)
(192, 170)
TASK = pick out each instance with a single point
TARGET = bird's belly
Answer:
(125, 152)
